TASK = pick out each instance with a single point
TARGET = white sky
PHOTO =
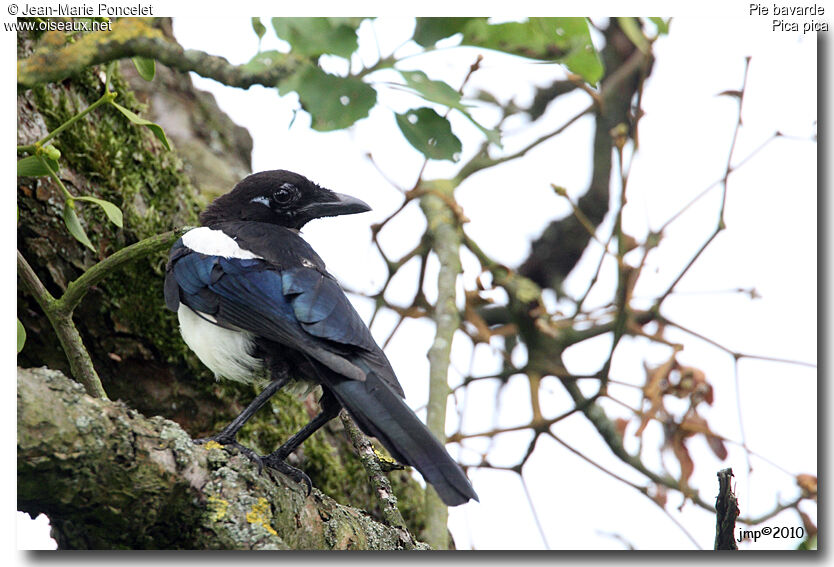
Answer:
(770, 244)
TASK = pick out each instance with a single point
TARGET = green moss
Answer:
(125, 165)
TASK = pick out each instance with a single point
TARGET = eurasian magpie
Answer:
(256, 304)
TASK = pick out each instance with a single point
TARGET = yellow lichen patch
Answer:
(384, 458)
(217, 508)
(212, 445)
(53, 39)
(261, 514)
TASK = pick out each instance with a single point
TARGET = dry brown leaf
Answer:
(682, 455)
(657, 381)
(717, 445)
(810, 526)
(695, 424)
(470, 314)
(808, 484)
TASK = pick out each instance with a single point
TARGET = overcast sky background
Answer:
(770, 244)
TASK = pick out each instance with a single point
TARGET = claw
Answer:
(274, 461)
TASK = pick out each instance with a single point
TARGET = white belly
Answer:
(227, 353)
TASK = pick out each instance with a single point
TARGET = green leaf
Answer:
(333, 102)
(113, 212)
(429, 133)
(661, 24)
(259, 27)
(631, 28)
(564, 40)
(155, 128)
(21, 336)
(32, 166)
(442, 93)
(74, 226)
(312, 37)
(145, 67)
(431, 30)
(433, 91)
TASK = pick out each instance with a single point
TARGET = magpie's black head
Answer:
(279, 197)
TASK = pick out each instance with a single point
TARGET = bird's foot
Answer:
(274, 460)
(227, 442)
(277, 462)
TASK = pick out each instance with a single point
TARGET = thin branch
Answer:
(778, 509)
(595, 277)
(641, 489)
(724, 181)
(381, 484)
(78, 288)
(717, 182)
(482, 161)
(531, 503)
(733, 353)
(611, 436)
(81, 365)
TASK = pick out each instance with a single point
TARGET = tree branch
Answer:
(162, 491)
(78, 288)
(131, 37)
(445, 233)
(380, 482)
(79, 359)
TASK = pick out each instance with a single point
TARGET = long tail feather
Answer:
(380, 412)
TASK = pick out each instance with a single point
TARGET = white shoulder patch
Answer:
(215, 243)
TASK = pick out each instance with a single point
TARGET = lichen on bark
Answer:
(110, 478)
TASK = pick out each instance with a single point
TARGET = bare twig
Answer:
(380, 482)
(724, 181)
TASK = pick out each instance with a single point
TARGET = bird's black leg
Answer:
(228, 437)
(276, 459)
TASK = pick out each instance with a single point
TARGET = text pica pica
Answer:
(255, 303)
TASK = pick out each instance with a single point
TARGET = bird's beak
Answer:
(343, 205)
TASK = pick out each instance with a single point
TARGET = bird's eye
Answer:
(285, 194)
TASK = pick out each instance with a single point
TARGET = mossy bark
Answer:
(110, 478)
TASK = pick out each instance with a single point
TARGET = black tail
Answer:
(382, 413)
